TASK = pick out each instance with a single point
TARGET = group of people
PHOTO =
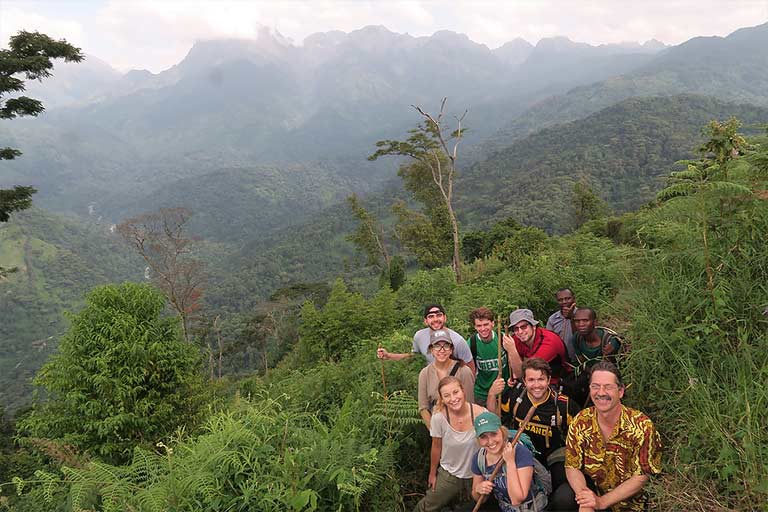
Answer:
(475, 395)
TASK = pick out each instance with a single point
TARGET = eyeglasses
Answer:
(607, 387)
(524, 327)
(442, 347)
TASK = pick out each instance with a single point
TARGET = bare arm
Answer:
(623, 491)
(392, 356)
(434, 460)
(579, 485)
(496, 388)
(515, 361)
(518, 479)
(426, 416)
(480, 486)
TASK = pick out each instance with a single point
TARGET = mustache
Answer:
(603, 397)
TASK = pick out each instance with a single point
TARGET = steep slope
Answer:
(58, 261)
(623, 150)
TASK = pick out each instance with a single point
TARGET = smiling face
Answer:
(435, 319)
(441, 350)
(492, 441)
(524, 331)
(484, 328)
(605, 392)
(537, 384)
(452, 396)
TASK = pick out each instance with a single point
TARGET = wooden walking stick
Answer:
(501, 373)
(383, 378)
(501, 460)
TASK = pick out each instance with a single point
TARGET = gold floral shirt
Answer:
(634, 448)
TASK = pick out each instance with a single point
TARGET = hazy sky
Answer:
(157, 34)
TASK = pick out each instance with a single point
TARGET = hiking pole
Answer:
(383, 378)
(501, 460)
(501, 373)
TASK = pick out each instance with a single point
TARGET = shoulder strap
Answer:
(455, 368)
(473, 346)
(522, 396)
(481, 462)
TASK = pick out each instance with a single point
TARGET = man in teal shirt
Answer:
(484, 344)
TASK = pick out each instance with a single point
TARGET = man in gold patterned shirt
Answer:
(614, 446)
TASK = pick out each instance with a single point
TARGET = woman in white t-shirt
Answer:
(453, 445)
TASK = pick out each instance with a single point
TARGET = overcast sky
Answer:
(156, 34)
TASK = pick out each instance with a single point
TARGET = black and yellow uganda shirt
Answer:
(548, 427)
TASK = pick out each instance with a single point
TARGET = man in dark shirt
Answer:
(561, 321)
(548, 428)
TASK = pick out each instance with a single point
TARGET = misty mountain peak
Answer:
(325, 39)
(654, 44)
(514, 52)
(375, 38)
(559, 44)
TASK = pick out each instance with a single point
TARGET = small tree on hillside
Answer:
(159, 238)
(428, 146)
(369, 238)
(707, 178)
(121, 377)
(586, 205)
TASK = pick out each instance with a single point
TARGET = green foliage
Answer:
(347, 317)
(122, 377)
(696, 369)
(586, 205)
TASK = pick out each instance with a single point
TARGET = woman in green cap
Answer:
(513, 486)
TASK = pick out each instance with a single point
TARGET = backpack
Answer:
(542, 480)
(583, 363)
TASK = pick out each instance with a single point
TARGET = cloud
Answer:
(13, 19)
(157, 34)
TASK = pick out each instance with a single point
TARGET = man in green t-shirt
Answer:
(484, 344)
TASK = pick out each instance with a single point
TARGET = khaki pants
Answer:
(448, 489)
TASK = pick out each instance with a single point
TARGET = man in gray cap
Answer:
(530, 340)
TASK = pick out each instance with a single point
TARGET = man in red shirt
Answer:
(530, 340)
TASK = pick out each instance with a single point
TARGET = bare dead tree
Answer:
(443, 178)
(433, 145)
(160, 240)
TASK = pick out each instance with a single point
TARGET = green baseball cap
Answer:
(486, 422)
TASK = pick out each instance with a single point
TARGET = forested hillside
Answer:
(58, 261)
(623, 151)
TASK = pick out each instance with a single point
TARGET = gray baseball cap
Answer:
(519, 315)
(440, 335)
